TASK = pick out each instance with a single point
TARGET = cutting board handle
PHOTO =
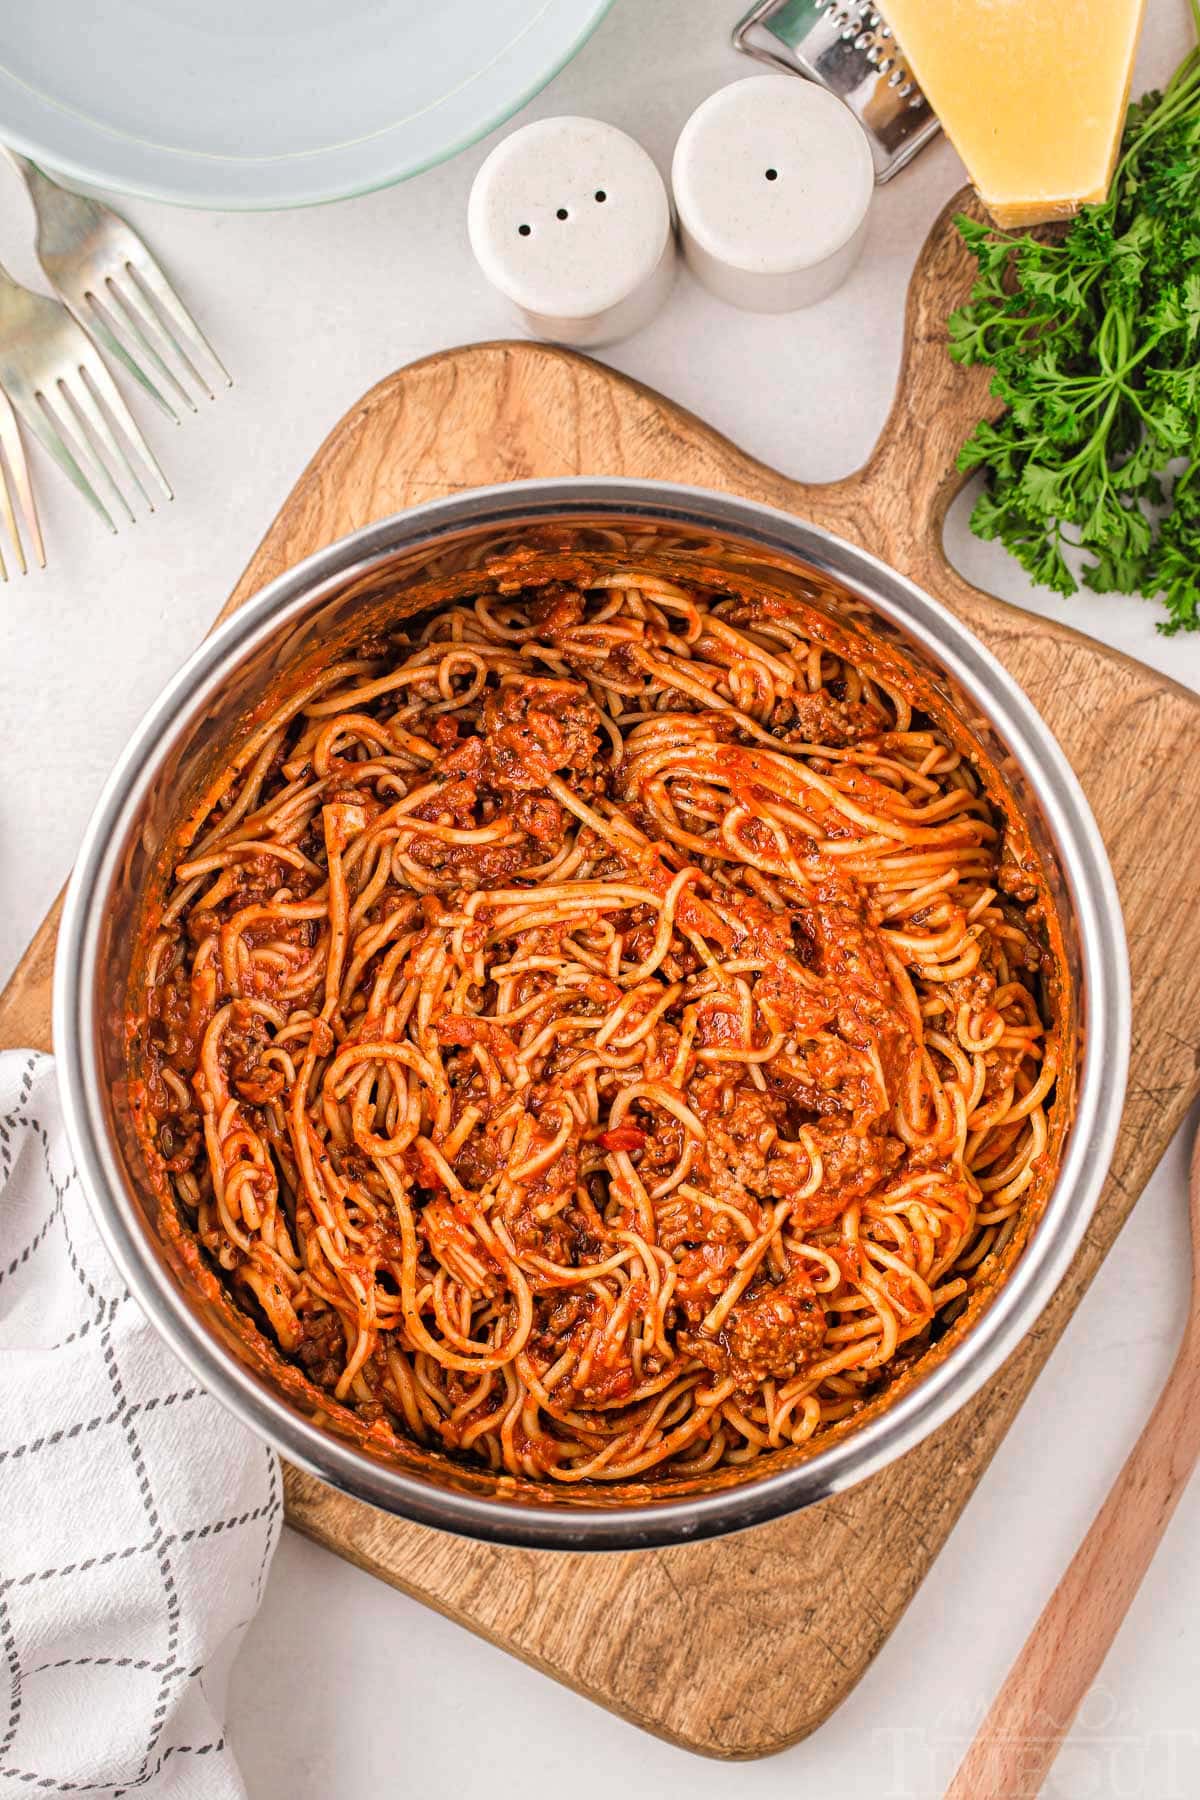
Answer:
(937, 402)
(896, 503)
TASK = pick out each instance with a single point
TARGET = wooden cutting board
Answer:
(739, 1647)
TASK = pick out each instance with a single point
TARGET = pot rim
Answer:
(1086, 1153)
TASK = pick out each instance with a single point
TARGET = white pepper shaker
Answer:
(773, 180)
(569, 218)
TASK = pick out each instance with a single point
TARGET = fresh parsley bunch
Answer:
(1095, 340)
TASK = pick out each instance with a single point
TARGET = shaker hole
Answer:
(772, 174)
(561, 213)
(524, 230)
(600, 196)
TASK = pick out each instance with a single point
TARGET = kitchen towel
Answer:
(137, 1518)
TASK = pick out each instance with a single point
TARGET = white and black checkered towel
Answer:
(137, 1519)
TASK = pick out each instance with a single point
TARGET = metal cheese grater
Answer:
(847, 45)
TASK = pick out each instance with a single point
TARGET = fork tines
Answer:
(14, 474)
(139, 319)
(58, 383)
(112, 293)
(106, 276)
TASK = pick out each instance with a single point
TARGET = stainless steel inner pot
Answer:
(383, 572)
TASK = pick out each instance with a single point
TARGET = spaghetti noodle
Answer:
(598, 1031)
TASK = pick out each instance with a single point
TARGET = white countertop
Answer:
(343, 1684)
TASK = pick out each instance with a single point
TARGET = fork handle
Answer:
(29, 172)
(1018, 1741)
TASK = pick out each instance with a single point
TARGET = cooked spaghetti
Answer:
(597, 1030)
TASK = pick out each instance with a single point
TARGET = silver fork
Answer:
(14, 473)
(104, 273)
(57, 380)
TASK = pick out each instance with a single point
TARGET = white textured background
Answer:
(344, 1686)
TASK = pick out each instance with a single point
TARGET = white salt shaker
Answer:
(773, 180)
(569, 218)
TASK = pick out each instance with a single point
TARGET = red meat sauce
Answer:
(768, 1337)
(530, 731)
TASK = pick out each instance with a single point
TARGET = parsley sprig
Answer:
(1094, 336)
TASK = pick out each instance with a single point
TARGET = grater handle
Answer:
(847, 47)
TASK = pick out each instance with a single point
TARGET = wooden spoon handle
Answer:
(1021, 1736)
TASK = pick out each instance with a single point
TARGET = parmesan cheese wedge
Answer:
(1032, 94)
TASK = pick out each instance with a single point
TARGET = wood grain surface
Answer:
(753, 1640)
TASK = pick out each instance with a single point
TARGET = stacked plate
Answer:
(266, 103)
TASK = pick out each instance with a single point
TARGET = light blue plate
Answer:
(262, 103)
